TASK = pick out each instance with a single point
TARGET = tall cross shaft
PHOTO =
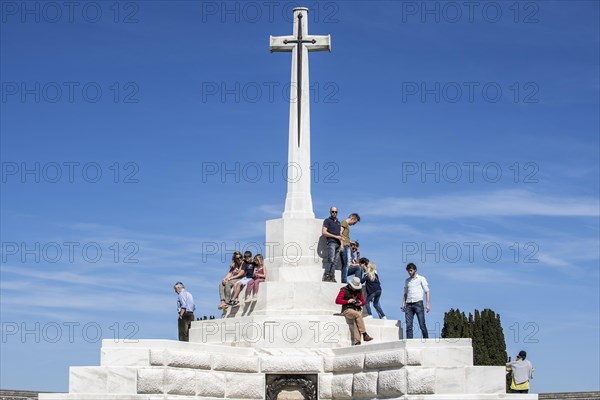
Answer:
(298, 203)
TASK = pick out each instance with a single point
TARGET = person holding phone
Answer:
(522, 372)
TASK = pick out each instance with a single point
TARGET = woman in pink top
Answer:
(260, 274)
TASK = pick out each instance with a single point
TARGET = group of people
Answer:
(244, 272)
(338, 242)
(352, 299)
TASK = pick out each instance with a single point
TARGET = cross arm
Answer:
(318, 43)
(277, 43)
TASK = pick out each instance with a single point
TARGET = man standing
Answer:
(412, 304)
(332, 231)
(185, 309)
(347, 252)
(522, 372)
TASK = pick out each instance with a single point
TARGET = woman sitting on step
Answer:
(260, 274)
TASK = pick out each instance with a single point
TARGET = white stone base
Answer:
(399, 369)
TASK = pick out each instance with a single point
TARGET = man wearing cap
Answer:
(185, 309)
(522, 372)
(351, 298)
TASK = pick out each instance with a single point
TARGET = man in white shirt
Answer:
(414, 287)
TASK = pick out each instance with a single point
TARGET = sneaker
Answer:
(255, 297)
(366, 337)
(368, 316)
(356, 343)
(384, 317)
(332, 279)
(237, 304)
(325, 278)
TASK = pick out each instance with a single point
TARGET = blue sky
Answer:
(137, 137)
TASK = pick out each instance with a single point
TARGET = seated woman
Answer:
(260, 274)
(373, 289)
(226, 285)
(351, 299)
(246, 274)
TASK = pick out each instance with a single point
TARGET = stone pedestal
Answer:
(394, 369)
(295, 250)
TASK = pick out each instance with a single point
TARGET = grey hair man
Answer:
(185, 310)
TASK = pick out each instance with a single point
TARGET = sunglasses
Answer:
(333, 212)
(238, 258)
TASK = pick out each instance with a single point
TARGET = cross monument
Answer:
(298, 202)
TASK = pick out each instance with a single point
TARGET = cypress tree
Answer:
(485, 330)
(480, 354)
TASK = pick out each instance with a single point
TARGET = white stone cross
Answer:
(298, 202)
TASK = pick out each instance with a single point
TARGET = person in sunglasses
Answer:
(226, 285)
(246, 274)
(332, 230)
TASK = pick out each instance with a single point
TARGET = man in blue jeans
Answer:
(332, 231)
(346, 245)
(414, 287)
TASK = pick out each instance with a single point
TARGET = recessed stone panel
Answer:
(151, 380)
(391, 383)
(325, 386)
(413, 356)
(365, 384)
(181, 381)
(210, 384)
(235, 363)
(385, 359)
(420, 380)
(341, 386)
(354, 362)
(158, 357)
(188, 359)
(245, 386)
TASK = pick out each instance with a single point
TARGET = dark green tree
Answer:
(485, 331)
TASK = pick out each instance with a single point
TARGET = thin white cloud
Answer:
(503, 203)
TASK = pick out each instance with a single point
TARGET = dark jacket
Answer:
(372, 285)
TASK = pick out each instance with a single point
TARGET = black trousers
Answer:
(183, 324)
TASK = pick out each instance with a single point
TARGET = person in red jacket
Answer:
(351, 299)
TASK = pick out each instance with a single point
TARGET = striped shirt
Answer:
(185, 300)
